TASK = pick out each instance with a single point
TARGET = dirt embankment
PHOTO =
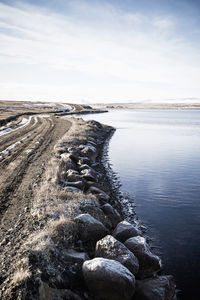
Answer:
(24, 155)
(63, 236)
(30, 174)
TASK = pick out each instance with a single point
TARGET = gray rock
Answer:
(92, 208)
(72, 255)
(74, 155)
(149, 263)
(90, 229)
(93, 143)
(89, 151)
(71, 171)
(77, 184)
(82, 146)
(84, 160)
(91, 139)
(73, 176)
(84, 166)
(74, 151)
(103, 198)
(108, 279)
(159, 288)
(74, 158)
(72, 189)
(109, 247)
(95, 164)
(89, 174)
(112, 214)
(97, 191)
(124, 231)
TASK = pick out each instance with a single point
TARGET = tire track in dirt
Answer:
(18, 133)
(18, 181)
(12, 167)
(25, 142)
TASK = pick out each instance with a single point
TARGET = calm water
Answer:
(157, 157)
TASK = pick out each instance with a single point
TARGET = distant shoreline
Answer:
(131, 106)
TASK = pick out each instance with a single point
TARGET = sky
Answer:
(99, 51)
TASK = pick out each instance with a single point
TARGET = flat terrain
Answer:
(28, 134)
(193, 104)
(9, 110)
(21, 171)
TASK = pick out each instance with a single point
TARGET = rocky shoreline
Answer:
(84, 247)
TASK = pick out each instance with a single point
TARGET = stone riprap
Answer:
(108, 256)
(124, 230)
(90, 228)
(108, 279)
(149, 262)
(110, 248)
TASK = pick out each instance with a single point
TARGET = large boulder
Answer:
(92, 142)
(149, 263)
(101, 195)
(89, 174)
(112, 214)
(124, 231)
(91, 206)
(77, 184)
(95, 165)
(159, 288)
(89, 151)
(90, 229)
(73, 175)
(103, 198)
(84, 166)
(108, 279)
(75, 151)
(74, 154)
(91, 139)
(84, 160)
(109, 247)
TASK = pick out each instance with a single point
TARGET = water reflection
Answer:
(156, 154)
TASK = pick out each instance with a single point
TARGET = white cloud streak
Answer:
(96, 52)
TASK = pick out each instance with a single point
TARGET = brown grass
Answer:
(53, 211)
(53, 206)
(21, 275)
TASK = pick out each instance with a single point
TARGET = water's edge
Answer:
(124, 202)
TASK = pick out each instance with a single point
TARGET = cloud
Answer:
(93, 51)
(164, 23)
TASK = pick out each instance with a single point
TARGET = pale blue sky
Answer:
(99, 50)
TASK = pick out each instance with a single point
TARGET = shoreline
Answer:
(78, 207)
(150, 106)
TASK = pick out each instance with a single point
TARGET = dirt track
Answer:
(24, 155)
